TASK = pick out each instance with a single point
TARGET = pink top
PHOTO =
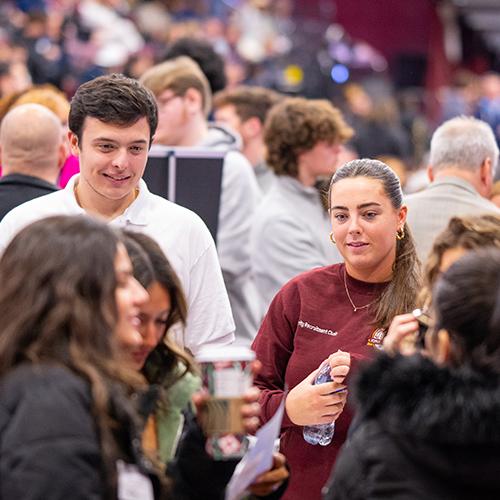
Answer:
(70, 168)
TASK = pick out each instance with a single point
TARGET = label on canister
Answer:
(226, 371)
(227, 375)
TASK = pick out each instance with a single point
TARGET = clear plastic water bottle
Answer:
(321, 434)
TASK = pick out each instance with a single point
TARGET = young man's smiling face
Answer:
(112, 159)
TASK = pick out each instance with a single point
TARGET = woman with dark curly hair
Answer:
(290, 230)
(161, 361)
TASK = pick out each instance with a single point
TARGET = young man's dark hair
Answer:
(113, 99)
(248, 101)
(201, 51)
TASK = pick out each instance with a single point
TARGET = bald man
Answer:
(32, 152)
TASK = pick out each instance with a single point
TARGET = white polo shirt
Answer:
(181, 234)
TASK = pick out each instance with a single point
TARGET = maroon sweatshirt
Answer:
(309, 319)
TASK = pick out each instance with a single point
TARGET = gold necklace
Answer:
(354, 307)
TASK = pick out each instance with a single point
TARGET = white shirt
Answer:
(182, 236)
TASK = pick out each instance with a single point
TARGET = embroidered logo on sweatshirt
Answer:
(376, 338)
(317, 329)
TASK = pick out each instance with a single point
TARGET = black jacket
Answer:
(16, 189)
(424, 432)
(49, 446)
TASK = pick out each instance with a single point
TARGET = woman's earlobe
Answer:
(403, 214)
(442, 347)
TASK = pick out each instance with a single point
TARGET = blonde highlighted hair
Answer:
(178, 75)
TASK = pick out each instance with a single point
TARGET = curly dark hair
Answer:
(295, 126)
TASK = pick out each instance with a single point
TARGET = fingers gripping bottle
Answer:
(321, 434)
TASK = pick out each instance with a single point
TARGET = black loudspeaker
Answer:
(190, 177)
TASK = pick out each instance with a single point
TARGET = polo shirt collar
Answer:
(135, 213)
(70, 198)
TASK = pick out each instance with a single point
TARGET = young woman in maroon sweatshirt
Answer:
(345, 307)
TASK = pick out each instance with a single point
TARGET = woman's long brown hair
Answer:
(58, 307)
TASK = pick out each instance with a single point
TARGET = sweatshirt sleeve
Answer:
(273, 346)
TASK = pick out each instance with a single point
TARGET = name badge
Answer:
(133, 484)
(376, 338)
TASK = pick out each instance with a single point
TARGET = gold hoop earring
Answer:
(331, 239)
(400, 233)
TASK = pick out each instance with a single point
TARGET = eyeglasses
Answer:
(425, 322)
(163, 101)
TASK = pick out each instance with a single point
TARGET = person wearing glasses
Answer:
(429, 426)
(345, 307)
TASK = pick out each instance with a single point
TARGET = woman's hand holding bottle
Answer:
(308, 404)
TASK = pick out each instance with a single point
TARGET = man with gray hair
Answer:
(32, 152)
(463, 159)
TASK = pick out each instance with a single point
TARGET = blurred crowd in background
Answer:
(290, 91)
(393, 103)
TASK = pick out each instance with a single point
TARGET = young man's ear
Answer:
(73, 143)
(430, 173)
(193, 101)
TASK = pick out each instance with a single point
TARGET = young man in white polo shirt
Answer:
(112, 122)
